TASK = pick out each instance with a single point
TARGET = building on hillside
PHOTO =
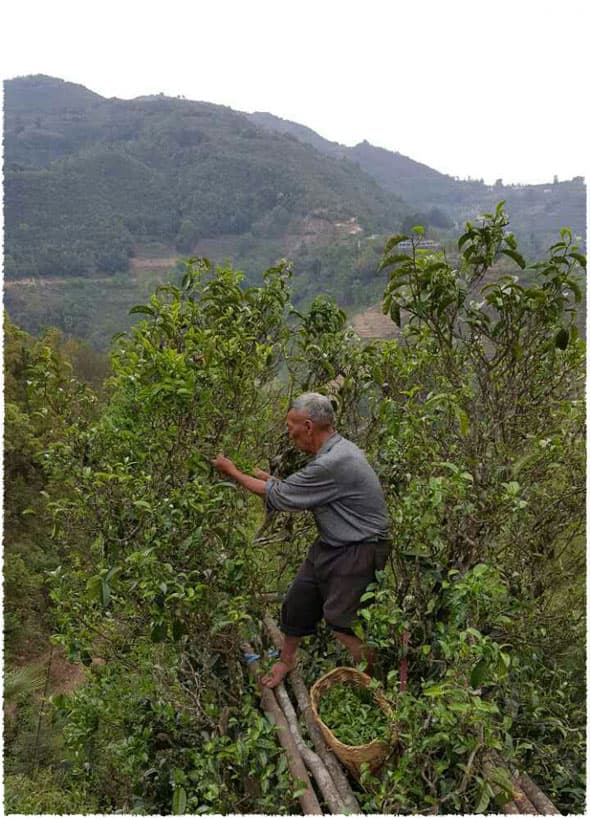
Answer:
(421, 244)
(350, 228)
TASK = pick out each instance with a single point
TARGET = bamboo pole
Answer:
(312, 760)
(302, 695)
(494, 762)
(308, 800)
(541, 802)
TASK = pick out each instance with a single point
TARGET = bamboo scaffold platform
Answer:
(319, 766)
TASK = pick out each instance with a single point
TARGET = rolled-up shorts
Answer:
(330, 584)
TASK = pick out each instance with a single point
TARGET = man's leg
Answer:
(300, 613)
(285, 664)
(346, 574)
(358, 650)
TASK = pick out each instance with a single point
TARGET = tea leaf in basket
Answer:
(352, 714)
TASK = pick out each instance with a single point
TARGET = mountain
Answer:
(102, 196)
(537, 211)
(411, 180)
(87, 179)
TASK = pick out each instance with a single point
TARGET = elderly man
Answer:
(344, 495)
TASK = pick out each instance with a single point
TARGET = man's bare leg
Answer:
(285, 664)
(357, 648)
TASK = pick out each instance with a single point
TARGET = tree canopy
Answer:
(159, 570)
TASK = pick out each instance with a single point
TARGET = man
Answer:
(344, 495)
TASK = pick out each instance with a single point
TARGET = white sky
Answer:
(482, 89)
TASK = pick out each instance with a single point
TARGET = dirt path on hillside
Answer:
(64, 676)
(136, 263)
(371, 323)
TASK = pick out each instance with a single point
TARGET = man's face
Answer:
(300, 429)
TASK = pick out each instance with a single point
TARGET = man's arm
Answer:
(304, 490)
(228, 467)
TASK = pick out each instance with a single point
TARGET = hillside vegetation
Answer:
(441, 201)
(103, 196)
(151, 572)
(88, 178)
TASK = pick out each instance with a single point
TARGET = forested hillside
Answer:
(102, 193)
(154, 575)
(441, 201)
(88, 178)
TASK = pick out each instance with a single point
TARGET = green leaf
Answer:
(503, 664)
(105, 593)
(500, 776)
(395, 313)
(358, 630)
(393, 241)
(463, 420)
(577, 291)
(580, 258)
(484, 800)
(515, 256)
(478, 674)
(463, 239)
(142, 308)
(434, 690)
(397, 258)
(179, 800)
(94, 586)
(459, 707)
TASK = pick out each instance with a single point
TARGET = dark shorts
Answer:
(330, 584)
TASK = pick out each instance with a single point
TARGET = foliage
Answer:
(445, 202)
(87, 180)
(480, 446)
(43, 402)
(444, 723)
(135, 739)
(45, 793)
(352, 714)
(164, 570)
(474, 420)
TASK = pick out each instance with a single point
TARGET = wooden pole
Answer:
(308, 800)
(314, 764)
(541, 802)
(302, 695)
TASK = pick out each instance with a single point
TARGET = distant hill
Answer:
(87, 179)
(537, 211)
(95, 187)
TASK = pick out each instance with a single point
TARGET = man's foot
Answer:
(277, 674)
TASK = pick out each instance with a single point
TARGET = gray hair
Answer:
(317, 407)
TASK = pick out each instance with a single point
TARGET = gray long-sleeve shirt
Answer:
(342, 491)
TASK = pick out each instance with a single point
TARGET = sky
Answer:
(492, 90)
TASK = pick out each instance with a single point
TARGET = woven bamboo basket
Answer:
(352, 756)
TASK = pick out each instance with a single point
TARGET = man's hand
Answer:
(225, 465)
(260, 473)
(256, 485)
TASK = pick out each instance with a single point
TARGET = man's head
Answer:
(310, 421)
